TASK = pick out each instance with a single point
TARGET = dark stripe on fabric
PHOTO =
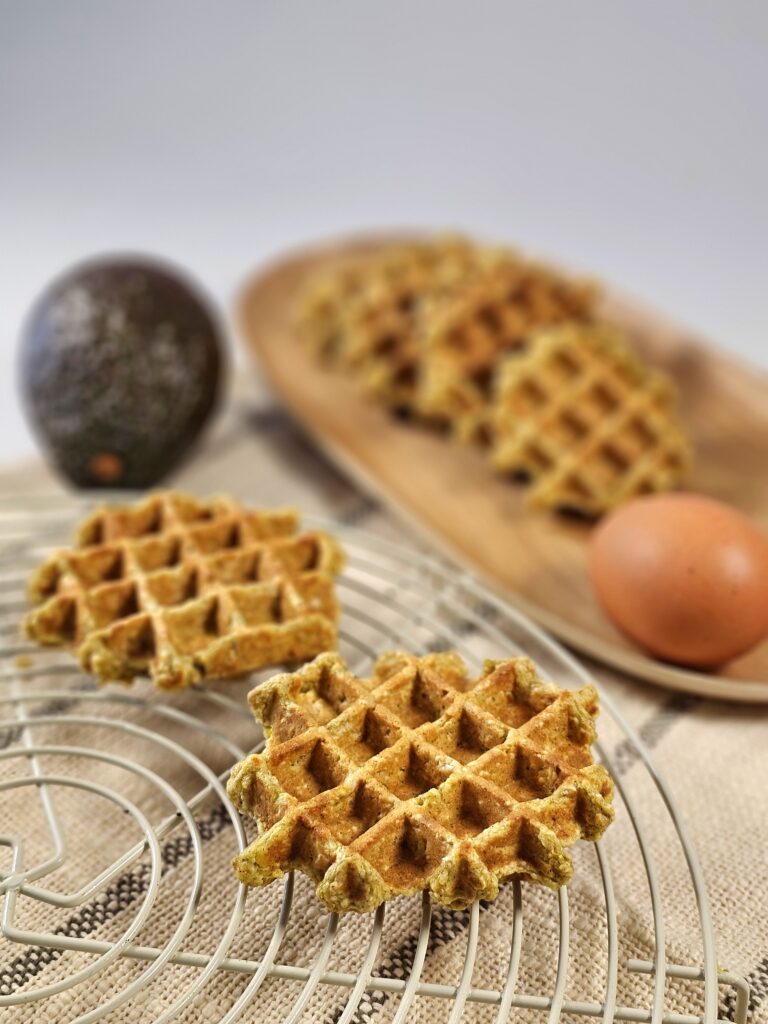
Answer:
(757, 980)
(653, 730)
(291, 442)
(9, 736)
(362, 509)
(108, 904)
(447, 925)
(268, 419)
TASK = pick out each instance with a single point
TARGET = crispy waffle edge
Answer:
(409, 843)
(114, 652)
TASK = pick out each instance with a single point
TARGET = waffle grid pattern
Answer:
(323, 317)
(419, 779)
(185, 590)
(365, 317)
(494, 316)
(461, 336)
(382, 324)
(326, 297)
(580, 417)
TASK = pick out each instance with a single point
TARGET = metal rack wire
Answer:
(65, 744)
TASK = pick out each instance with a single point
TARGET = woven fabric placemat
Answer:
(713, 754)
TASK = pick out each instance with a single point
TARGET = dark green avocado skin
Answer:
(121, 363)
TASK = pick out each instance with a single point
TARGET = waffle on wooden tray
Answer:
(318, 318)
(455, 334)
(365, 317)
(185, 590)
(322, 315)
(586, 422)
(419, 779)
(467, 336)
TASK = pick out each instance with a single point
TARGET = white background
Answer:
(630, 139)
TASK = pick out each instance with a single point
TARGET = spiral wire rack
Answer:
(65, 743)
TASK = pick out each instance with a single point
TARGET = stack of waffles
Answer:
(364, 317)
(185, 590)
(458, 335)
(419, 779)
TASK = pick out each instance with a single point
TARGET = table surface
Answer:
(712, 753)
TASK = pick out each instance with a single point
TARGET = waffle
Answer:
(419, 779)
(466, 337)
(582, 418)
(382, 325)
(364, 317)
(185, 590)
(320, 312)
(322, 315)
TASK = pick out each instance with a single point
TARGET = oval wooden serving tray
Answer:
(537, 560)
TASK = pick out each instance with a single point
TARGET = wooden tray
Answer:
(536, 560)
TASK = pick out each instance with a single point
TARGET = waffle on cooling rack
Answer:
(186, 590)
(493, 315)
(586, 422)
(419, 779)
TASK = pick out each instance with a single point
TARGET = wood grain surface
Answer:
(535, 559)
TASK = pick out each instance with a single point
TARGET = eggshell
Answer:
(684, 576)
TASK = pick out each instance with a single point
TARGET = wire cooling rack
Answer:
(116, 896)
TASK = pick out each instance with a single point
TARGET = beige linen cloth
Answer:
(714, 756)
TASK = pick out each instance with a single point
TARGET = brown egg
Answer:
(684, 576)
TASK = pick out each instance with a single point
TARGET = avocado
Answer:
(121, 364)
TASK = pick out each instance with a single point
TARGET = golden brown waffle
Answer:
(494, 315)
(322, 316)
(419, 779)
(364, 316)
(322, 306)
(185, 590)
(382, 323)
(582, 418)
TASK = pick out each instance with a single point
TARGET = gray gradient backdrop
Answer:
(627, 138)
